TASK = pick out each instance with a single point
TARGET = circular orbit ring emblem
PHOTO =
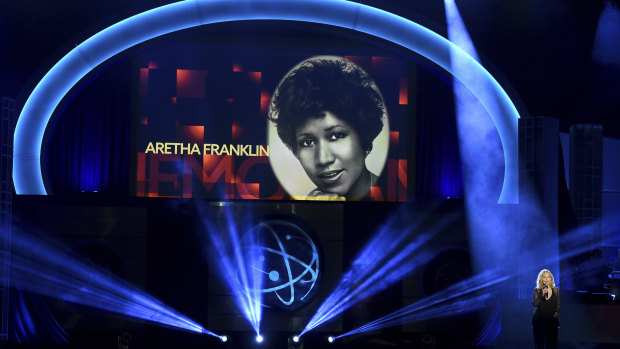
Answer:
(288, 260)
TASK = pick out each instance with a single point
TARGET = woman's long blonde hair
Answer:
(539, 279)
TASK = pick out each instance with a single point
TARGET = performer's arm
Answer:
(537, 297)
(557, 306)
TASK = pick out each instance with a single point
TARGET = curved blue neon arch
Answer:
(39, 107)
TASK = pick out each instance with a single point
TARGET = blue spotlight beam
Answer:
(448, 308)
(384, 261)
(574, 243)
(344, 299)
(479, 145)
(605, 50)
(44, 269)
(578, 241)
(239, 265)
(48, 94)
(473, 293)
(481, 154)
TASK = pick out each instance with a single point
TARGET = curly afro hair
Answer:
(327, 83)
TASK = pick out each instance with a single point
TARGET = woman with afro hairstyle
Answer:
(328, 111)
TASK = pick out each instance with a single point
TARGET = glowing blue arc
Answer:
(46, 96)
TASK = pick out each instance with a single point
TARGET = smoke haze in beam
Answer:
(499, 233)
(45, 267)
(481, 290)
(396, 249)
(237, 261)
(481, 155)
(605, 50)
(463, 297)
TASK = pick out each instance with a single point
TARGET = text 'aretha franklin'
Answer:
(206, 149)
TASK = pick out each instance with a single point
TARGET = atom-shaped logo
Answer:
(287, 258)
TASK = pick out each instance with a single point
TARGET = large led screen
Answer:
(271, 122)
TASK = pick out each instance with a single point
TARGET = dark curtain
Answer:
(31, 320)
(439, 170)
(88, 143)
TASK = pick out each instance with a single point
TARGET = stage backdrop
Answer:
(185, 116)
(202, 128)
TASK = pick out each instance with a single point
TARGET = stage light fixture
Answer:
(294, 342)
(331, 339)
(259, 339)
(224, 339)
(427, 341)
(124, 341)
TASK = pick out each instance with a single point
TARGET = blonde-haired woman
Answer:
(545, 320)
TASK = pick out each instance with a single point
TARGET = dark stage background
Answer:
(540, 52)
